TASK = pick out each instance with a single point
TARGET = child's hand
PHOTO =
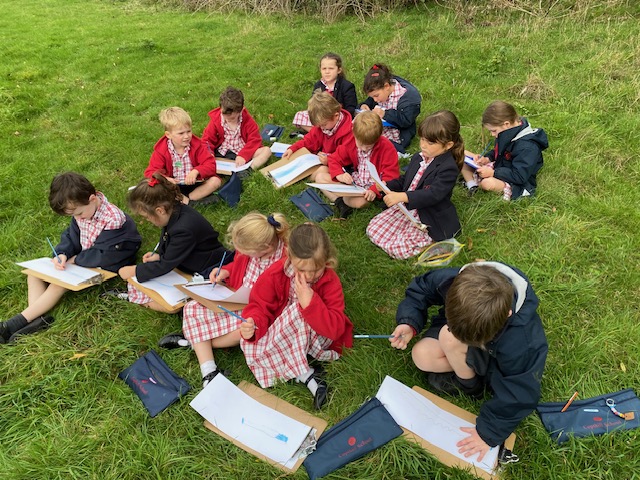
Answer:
(303, 290)
(323, 157)
(481, 160)
(59, 264)
(402, 335)
(345, 178)
(172, 180)
(218, 275)
(248, 329)
(379, 111)
(150, 257)
(191, 177)
(369, 195)
(472, 444)
(485, 172)
(390, 199)
(240, 161)
(364, 107)
(127, 272)
(286, 154)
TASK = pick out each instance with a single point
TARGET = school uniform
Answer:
(287, 333)
(200, 158)
(401, 111)
(109, 240)
(511, 364)
(428, 184)
(318, 141)
(200, 324)
(383, 156)
(343, 91)
(214, 134)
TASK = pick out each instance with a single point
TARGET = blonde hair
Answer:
(367, 128)
(309, 241)
(256, 232)
(174, 117)
(322, 107)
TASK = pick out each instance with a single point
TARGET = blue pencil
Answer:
(55, 254)
(487, 148)
(370, 336)
(231, 313)
(219, 267)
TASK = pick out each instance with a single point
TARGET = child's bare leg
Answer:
(35, 288)
(456, 353)
(322, 172)
(492, 184)
(355, 202)
(428, 356)
(204, 352)
(153, 305)
(45, 301)
(207, 187)
(261, 157)
(467, 172)
(231, 339)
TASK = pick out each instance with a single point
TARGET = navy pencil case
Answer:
(313, 207)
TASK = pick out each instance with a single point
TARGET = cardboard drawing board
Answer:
(211, 304)
(105, 274)
(156, 297)
(281, 406)
(339, 189)
(444, 456)
(280, 163)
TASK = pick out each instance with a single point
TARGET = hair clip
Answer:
(153, 182)
(375, 67)
(273, 222)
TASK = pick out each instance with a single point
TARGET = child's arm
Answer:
(325, 311)
(338, 160)
(250, 133)
(386, 162)
(439, 188)
(349, 97)
(368, 104)
(526, 160)
(211, 137)
(171, 255)
(266, 300)
(407, 111)
(157, 163)
(203, 160)
(69, 245)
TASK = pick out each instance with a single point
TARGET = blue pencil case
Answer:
(591, 416)
(313, 207)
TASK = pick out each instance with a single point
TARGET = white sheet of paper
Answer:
(337, 188)
(424, 418)
(291, 170)
(230, 165)
(164, 286)
(72, 274)
(378, 181)
(469, 161)
(279, 148)
(257, 426)
(221, 293)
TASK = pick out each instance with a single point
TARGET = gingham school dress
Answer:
(200, 324)
(281, 354)
(232, 139)
(391, 133)
(394, 233)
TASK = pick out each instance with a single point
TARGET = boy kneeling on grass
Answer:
(487, 333)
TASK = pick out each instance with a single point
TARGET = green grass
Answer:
(81, 84)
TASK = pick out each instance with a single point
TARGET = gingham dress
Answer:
(181, 163)
(232, 139)
(392, 134)
(394, 233)
(106, 217)
(200, 324)
(281, 354)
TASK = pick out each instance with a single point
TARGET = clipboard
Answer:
(211, 304)
(104, 276)
(281, 406)
(281, 163)
(444, 456)
(224, 171)
(339, 194)
(156, 297)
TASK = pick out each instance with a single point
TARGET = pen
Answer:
(219, 267)
(234, 314)
(155, 249)
(573, 397)
(55, 254)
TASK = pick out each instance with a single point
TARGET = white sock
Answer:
(471, 183)
(312, 385)
(206, 368)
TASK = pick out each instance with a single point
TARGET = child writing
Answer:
(259, 241)
(296, 308)
(333, 81)
(188, 242)
(396, 101)
(100, 235)
(512, 165)
(183, 159)
(233, 133)
(487, 332)
(426, 189)
(348, 164)
(331, 128)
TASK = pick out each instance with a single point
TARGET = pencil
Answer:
(155, 249)
(373, 336)
(234, 314)
(55, 254)
(219, 267)
(573, 397)
(486, 149)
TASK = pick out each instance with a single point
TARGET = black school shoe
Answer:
(174, 340)
(320, 398)
(448, 383)
(208, 200)
(38, 324)
(344, 210)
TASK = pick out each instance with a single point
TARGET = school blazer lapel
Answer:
(430, 171)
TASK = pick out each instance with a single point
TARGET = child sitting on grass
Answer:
(184, 160)
(486, 333)
(233, 133)
(348, 164)
(100, 235)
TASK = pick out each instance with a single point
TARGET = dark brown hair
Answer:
(152, 193)
(309, 241)
(377, 77)
(69, 190)
(231, 100)
(338, 59)
(443, 127)
(499, 112)
(478, 304)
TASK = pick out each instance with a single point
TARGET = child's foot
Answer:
(209, 376)
(208, 200)
(115, 293)
(11, 326)
(472, 191)
(450, 384)
(344, 210)
(173, 340)
(244, 173)
(38, 324)
(317, 386)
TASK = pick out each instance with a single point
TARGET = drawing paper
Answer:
(223, 166)
(291, 170)
(278, 148)
(338, 187)
(220, 293)
(164, 286)
(72, 274)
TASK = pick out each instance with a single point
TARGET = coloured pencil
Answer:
(55, 254)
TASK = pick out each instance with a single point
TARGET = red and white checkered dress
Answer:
(301, 118)
(106, 217)
(394, 233)
(362, 177)
(281, 354)
(200, 324)
(181, 163)
(232, 139)
(391, 103)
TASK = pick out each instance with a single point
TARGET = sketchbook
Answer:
(469, 161)
(73, 277)
(340, 189)
(258, 422)
(211, 297)
(435, 424)
(299, 165)
(227, 167)
(163, 291)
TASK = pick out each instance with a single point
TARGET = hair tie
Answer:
(375, 67)
(273, 222)
(153, 182)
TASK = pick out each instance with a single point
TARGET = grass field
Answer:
(81, 84)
